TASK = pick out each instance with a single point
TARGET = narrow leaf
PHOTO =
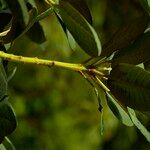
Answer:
(11, 73)
(135, 53)
(138, 124)
(10, 143)
(19, 11)
(32, 3)
(61, 23)
(5, 18)
(35, 18)
(118, 110)
(147, 65)
(20, 18)
(36, 33)
(146, 5)
(2, 5)
(2, 147)
(126, 35)
(7, 119)
(3, 82)
(82, 7)
(81, 30)
(131, 86)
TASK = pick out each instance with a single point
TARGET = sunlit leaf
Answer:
(135, 53)
(131, 86)
(2, 147)
(82, 31)
(138, 124)
(118, 110)
(126, 35)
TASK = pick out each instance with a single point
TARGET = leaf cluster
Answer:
(112, 67)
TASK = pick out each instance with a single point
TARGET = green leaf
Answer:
(146, 5)
(5, 17)
(19, 11)
(118, 110)
(135, 53)
(100, 95)
(7, 119)
(2, 147)
(126, 35)
(71, 40)
(81, 30)
(61, 23)
(131, 86)
(2, 5)
(32, 3)
(11, 73)
(3, 82)
(11, 145)
(147, 65)
(138, 124)
(34, 18)
(20, 19)
(82, 7)
(36, 33)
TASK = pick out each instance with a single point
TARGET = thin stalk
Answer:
(102, 84)
(37, 61)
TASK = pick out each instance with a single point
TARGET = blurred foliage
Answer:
(57, 109)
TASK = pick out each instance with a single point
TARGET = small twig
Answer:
(95, 90)
(103, 86)
(44, 14)
(37, 61)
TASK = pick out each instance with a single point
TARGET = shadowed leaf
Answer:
(19, 11)
(138, 124)
(117, 110)
(147, 65)
(3, 82)
(5, 18)
(131, 86)
(135, 53)
(36, 33)
(146, 5)
(126, 35)
(82, 7)
(81, 30)
(7, 119)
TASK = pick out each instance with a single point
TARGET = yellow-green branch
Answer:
(37, 61)
(34, 60)
(49, 63)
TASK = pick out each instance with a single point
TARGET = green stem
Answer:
(44, 14)
(37, 61)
